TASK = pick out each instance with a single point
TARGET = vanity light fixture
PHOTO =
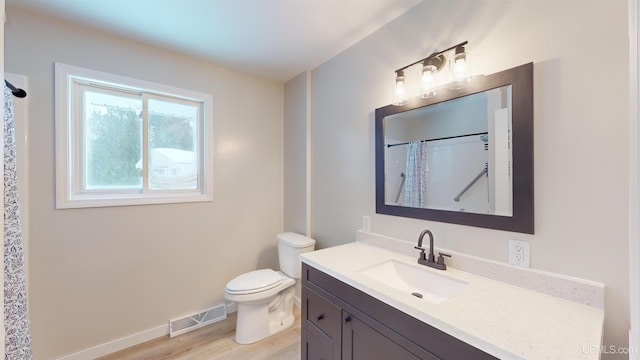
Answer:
(459, 73)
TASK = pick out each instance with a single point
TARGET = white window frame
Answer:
(69, 193)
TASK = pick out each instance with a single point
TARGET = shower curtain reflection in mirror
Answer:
(436, 171)
(417, 169)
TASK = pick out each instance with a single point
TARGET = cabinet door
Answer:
(318, 346)
(321, 322)
(361, 342)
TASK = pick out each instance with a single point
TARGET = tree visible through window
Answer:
(113, 143)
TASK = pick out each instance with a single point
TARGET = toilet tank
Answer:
(290, 246)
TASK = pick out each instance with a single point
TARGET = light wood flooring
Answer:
(216, 342)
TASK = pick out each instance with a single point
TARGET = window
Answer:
(122, 141)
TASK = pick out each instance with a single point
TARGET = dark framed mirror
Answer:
(463, 156)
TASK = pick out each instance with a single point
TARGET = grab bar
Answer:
(403, 176)
(484, 171)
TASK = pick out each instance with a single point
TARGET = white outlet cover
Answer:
(519, 253)
(366, 223)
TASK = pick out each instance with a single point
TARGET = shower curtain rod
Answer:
(442, 138)
(15, 91)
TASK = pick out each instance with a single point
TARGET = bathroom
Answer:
(100, 274)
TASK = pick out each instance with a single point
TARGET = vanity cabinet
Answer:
(341, 322)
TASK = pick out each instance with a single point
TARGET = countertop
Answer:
(506, 321)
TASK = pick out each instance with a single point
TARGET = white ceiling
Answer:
(275, 39)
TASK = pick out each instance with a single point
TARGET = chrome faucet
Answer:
(431, 259)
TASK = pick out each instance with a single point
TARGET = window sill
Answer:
(83, 201)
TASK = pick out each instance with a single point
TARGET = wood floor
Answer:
(216, 342)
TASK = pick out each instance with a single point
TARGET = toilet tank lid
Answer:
(295, 240)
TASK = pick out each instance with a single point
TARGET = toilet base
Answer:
(258, 321)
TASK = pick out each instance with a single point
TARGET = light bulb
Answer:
(399, 91)
(428, 81)
(459, 68)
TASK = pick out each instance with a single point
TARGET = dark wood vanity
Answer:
(341, 322)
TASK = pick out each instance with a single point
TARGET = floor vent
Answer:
(197, 320)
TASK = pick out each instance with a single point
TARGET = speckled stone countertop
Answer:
(506, 321)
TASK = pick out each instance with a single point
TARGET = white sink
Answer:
(415, 280)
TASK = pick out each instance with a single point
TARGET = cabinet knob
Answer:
(320, 317)
(347, 319)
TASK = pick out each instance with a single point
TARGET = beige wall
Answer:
(581, 132)
(104, 273)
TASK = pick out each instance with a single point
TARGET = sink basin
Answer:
(414, 280)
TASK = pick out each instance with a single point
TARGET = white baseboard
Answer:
(633, 345)
(135, 339)
(119, 344)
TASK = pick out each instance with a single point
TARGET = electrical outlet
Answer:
(366, 223)
(519, 253)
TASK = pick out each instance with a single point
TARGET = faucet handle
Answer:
(420, 248)
(422, 252)
(441, 256)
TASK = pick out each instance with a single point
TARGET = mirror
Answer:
(464, 156)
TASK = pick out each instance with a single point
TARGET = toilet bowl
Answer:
(265, 297)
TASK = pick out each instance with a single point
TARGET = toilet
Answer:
(265, 297)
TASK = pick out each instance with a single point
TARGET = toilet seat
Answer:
(254, 282)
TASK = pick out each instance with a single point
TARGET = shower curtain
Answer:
(415, 193)
(17, 342)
